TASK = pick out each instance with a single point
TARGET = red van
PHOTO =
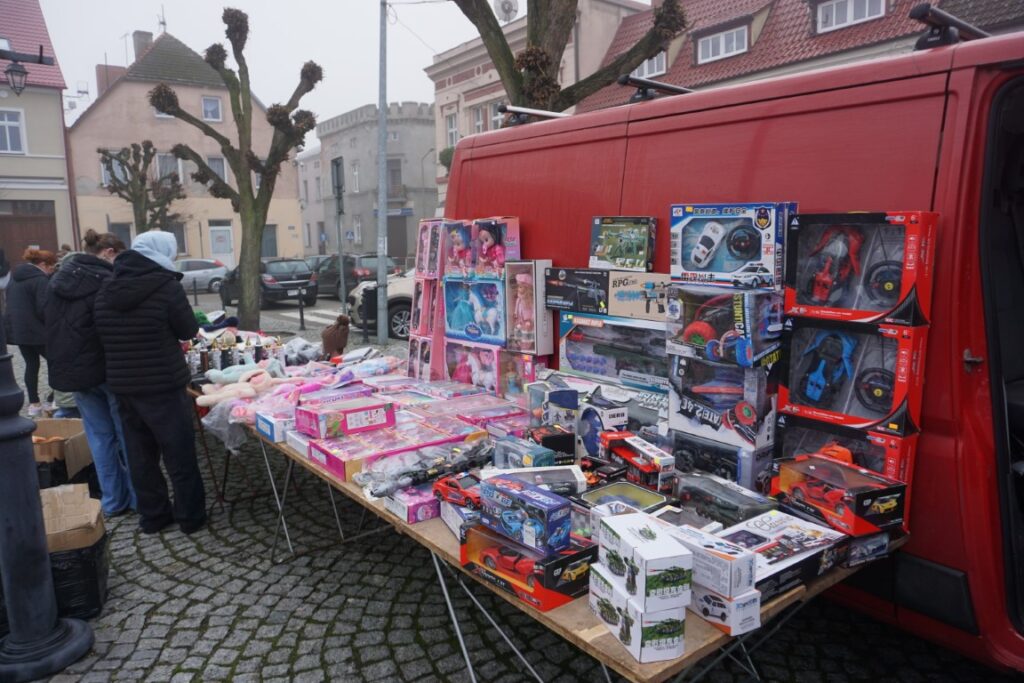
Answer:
(941, 129)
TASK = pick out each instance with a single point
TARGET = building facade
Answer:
(347, 168)
(36, 208)
(121, 115)
(312, 202)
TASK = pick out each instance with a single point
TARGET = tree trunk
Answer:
(249, 264)
(141, 220)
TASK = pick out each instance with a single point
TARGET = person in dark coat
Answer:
(26, 298)
(141, 314)
(76, 363)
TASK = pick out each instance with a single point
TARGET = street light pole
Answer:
(382, 181)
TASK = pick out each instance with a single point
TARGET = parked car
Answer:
(281, 279)
(358, 268)
(205, 273)
(316, 260)
(400, 290)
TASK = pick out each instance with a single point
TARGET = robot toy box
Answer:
(862, 267)
(855, 374)
(475, 364)
(725, 403)
(742, 328)
(643, 296)
(430, 248)
(525, 513)
(622, 242)
(732, 245)
(457, 245)
(475, 311)
(495, 241)
(529, 328)
(576, 289)
(719, 499)
(750, 468)
(630, 352)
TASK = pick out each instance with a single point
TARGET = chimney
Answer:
(142, 40)
(106, 74)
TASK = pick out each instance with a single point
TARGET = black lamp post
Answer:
(17, 74)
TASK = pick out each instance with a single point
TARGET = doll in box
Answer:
(483, 372)
(522, 310)
(463, 368)
(490, 251)
(486, 308)
(463, 306)
(460, 252)
(423, 250)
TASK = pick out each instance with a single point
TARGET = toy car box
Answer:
(622, 242)
(854, 374)
(719, 565)
(742, 328)
(677, 516)
(458, 519)
(561, 479)
(495, 241)
(863, 267)
(551, 404)
(645, 463)
(733, 616)
(644, 558)
(851, 499)
(576, 289)
(721, 402)
(430, 248)
(719, 499)
(474, 310)
(864, 549)
(652, 636)
(511, 453)
(475, 364)
(275, 426)
(515, 371)
(631, 352)
(642, 499)
(351, 417)
(643, 296)
(459, 259)
(413, 504)
(596, 416)
(525, 513)
(748, 467)
(733, 245)
(529, 327)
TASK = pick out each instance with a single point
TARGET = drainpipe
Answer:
(76, 232)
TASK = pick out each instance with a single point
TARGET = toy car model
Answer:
(752, 275)
(513, 521)
(575, 570)
(510, 561)
(712, 606)
(837, 260)
(826, 489)
(459, 489)
(829, 364)
(707, 244)
(883, 505)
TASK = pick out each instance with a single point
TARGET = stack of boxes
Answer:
(426, 330)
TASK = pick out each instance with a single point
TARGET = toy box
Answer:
(552, 404)
(392, 382)
(733, 616)
(736, 245)
(274, 426)
(648, 636)
(576, 289)
(864, 549)
(485, 416)
(420, 366)
(515, 371)
(298, 442)
(597, 415)
(384, 476)
(561, 479)
(529, 328)
(748, 467)
(420, 317)
(851, 499)
(638, 295)
(646, 464)
(631, 352)
(474, 364)
(725, 403)
(721, 566)
(719, 499)
(462, 404)
(407, 398)
(622, 242)
(599, 512)
(475, 311)
(459, 261)
(510, 453)
(351, 417)
(327, 397)
(448, 389)
(677, 516)
(890, 455)
(430, 248)
(495, 241)
(642, 499)
(855, 374)
(864, 267)
(458, 519)
(642, 557)
(517, 426)
(644, 408)
(743, 328)
(413, 504)
(559, 439)
(525, 513)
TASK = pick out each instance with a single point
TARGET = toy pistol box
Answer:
(733, 616)
(741, 328)
(622, 242)
(748, 467)
(340, 419)
(644, 558)
(576, 289)
(525, 513)
(732, 245)
(855, 374)
(721, 566)
(474, 311)
(495, 241)
(529, 328)
(630, 352)
(643, 296)
(863, 267)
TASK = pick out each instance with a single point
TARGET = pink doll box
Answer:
(329, 397)
(414, 504)
(407, 397)
(391, 382)
(529, 328)
(351, 417)
(458, 249)
(430, 249)
(495, 241)
(474, 310)
(421, 317)
(451, 389)
(472, 364)
(463, 404)
(486, 416)
(516, 426)
(516, 370)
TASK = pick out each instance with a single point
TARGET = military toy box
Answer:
(653, 567)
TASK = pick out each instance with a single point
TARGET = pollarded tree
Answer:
(531, 77)
(129, 177)
(251, 198)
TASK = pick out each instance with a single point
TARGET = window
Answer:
(119, 172)
(5, 44)
(835, 14)
(355, 176)
(166, 164)
(218, 166)
(497, 118)
(451, 122)
(159, 114)
(393, 135)
(257, 178)
(122, 230)
(395, 178)
(655, 66)
(305, 190)
(478, 120)
(357, 229)
(722, 45)
(178, 230)
(11, 137)
(268, 248)
(307, 236)
(319, 190)
(352, 143)
(211, 109)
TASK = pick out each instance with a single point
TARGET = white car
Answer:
(710, 240)
(400, 292)
(752, 275)
(713, 607)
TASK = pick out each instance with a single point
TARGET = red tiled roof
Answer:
(22, 24)
(788, 36)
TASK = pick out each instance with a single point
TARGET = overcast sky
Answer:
(340, 35)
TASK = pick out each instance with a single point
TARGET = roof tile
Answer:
(23, 25)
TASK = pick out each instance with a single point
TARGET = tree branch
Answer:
(480, 14)
(206, 175)
(165, 100)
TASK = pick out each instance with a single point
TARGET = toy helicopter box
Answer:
(643, 557)
(862, 267)
(474, 310)
(529, 327)
(643, 296)
(730, 245)
(576, 289)
(622, 242)
(626, 351)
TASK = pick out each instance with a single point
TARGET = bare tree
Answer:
(255, 176)
(151, 195)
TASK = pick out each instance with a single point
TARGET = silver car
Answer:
(201, 273)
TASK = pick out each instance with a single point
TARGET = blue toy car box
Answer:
(525, 513)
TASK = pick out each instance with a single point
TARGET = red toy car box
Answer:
(864, 267)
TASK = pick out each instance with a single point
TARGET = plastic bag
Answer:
(218, 422)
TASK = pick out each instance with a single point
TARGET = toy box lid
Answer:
(649, 538)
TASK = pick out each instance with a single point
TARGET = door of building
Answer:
(269, 245)
(25, 224)
(222, 242)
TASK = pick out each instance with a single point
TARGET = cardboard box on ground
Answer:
(61, 450)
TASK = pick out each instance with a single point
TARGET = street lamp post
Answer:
(16, 73)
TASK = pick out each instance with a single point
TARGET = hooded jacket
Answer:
(141, 314)
(26, 299)
(74, 355)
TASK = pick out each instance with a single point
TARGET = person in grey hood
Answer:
(142, 313)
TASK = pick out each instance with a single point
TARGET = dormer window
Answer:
(836, 14)
(655, 66)
(721, 45)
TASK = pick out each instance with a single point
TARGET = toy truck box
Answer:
(630, 352)
(474, 311)
(646, 464)
(863, 267)
(644, 558)
(576, 289)
(734, 616)
(643, 296)
(622, 242)
(495, 241)
(724, 567)
(750, 468)
(342, 419)
(529, 327)
(730, 245)
(525, 513)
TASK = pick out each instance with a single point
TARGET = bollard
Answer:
(302, 310)
(195, 293)
(366, 305)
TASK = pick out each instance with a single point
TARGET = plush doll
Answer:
(214, 394)
(490, 252)
(231, 374)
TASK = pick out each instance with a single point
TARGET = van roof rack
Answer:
(521, 115)
(647, 89)
(943, 27)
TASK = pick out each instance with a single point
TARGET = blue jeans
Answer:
(106, 440)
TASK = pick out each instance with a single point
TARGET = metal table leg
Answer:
(454, 618)
(280, 502)
(218, 488)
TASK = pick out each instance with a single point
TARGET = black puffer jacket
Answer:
(74, 355)
(26, 298)
(141, 313)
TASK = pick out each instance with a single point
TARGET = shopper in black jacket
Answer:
(26, 297)
(76, 362)
(141, 314)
